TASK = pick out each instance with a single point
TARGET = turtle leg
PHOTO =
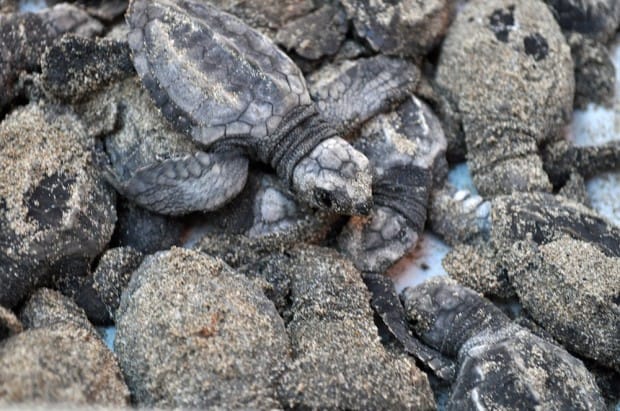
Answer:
(562, 158)
(181, 185)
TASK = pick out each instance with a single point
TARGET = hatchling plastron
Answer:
(230, 89)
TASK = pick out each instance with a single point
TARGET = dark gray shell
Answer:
(407, 27)
(315, 34)
(211, 75)
(515, 369)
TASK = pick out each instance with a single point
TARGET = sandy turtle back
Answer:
(210, 74)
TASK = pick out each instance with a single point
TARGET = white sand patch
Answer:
(599, 125)
(460, 177)
(32, 5)
(108, 334)
(422, 263)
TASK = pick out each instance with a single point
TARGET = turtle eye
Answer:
(323, 198)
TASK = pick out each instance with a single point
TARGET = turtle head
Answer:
(336, 177)
(445, 314)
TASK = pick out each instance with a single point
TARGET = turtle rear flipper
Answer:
(175, 186)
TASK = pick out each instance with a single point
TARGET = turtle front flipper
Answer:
(387, 305)
(181, 185)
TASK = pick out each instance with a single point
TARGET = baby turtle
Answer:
(555, 268)
(406, 148)
(502, 366)
(506, 69)
(233, 91)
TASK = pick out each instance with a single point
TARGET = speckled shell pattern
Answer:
(212, 76)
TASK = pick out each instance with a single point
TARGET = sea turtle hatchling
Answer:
(502, 366)
(557, 256)
(232, 90)
(507, 70)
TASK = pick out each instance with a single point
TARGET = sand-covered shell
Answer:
(24, 37)
(54, 205)
(558, 257)
(59, 359)
(501, 365)
(507, 69)
(193, 333)
(572, 289)
(75, 67)
(340, 363)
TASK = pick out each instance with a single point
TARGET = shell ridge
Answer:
(235, 66)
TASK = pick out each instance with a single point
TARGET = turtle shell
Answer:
(514, 369)
(211, 75)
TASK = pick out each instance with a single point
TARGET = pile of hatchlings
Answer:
(231, 183)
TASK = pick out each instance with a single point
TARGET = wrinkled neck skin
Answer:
(405, 189)
(467, 316)
(504, 158)
(297, 135)
(322, 169)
